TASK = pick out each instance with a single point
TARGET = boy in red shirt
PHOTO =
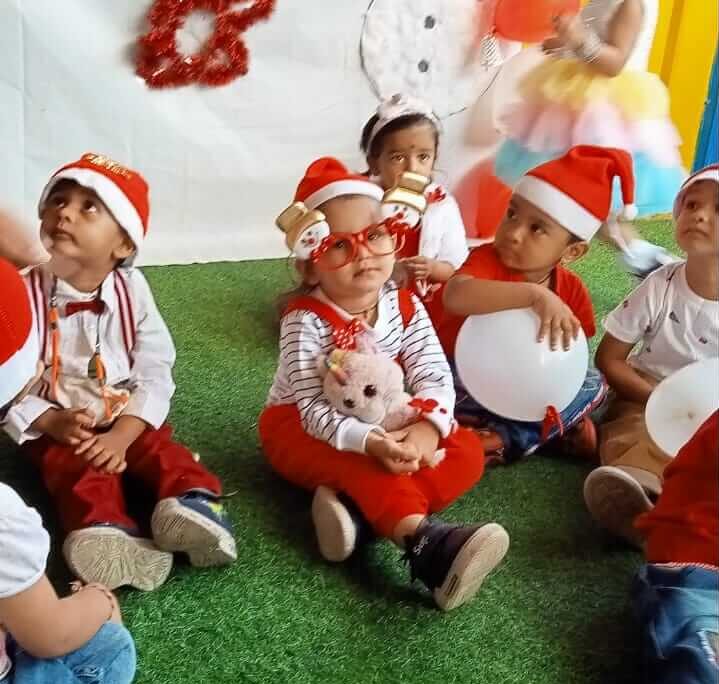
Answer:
(554, 212)
(676, 594)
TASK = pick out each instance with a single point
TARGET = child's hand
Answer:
(66, 426)
(116, 614)
(20, 245)
(569, 32)
(556, 319)
(105, 452)
(418, 268)
(394, 455)
(424, 436)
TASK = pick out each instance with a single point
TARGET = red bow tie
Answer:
(94, 305)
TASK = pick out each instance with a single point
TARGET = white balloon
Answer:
(508, 372)
(681, 403)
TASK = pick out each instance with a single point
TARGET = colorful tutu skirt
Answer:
(564, 103)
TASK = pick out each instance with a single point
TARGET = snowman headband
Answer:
(396, 107)
(307, 229)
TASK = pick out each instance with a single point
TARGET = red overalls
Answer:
(383, 497)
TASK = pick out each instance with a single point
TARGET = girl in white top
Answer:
(668, 322)
(345, 253)
(402, 136)
(59, 640)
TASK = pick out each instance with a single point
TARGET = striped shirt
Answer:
(136, 348)
(304, 336)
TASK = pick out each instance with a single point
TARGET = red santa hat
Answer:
(123, 191)
(710, 173)
(19, 352)
(576, 189)
(327, 178)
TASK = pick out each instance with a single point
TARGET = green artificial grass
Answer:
(556, 612)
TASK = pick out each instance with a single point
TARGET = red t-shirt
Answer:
(483, 262)
(684, 525)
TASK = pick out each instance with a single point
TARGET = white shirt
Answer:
(135, 345)
(305, 335)
(674, 324)
(443, 236)
(24, 544)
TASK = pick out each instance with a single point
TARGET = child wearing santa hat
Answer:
(54, 635)
(101, 405)
(668, 322)
(554, 212)
(345, 252)
(403, 136)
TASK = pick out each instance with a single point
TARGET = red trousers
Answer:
(383, 498)
(84, 496)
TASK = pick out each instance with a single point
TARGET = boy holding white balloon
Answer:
(672, 319)
(554, 212)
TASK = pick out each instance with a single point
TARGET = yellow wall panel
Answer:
(683, 51)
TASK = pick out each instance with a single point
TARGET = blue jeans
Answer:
(679, 615)
(108, 658)
(523, 438)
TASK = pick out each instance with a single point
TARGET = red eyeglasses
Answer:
(339, 249)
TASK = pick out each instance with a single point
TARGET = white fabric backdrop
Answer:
(221, 162)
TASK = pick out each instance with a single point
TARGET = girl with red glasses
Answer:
(345, 252)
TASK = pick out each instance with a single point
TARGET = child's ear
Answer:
(125, 249)
(573, 252)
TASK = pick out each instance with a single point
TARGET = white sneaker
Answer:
(112, 557)
(336, 528)
(615, 499)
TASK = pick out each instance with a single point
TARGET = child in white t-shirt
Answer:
(673, 317)
(49, 639)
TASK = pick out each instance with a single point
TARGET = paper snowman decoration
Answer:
(304, 230)
(406, 201)
(428, 49)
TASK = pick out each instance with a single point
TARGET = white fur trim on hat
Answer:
(397, 106)
(350, 186)
(112, 197)
(711, 173)
(18, 370)
(560, 206)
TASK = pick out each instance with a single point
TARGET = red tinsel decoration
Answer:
(223, 58)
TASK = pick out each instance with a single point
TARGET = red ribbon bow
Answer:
(426, 405)
(552, 418)
(344, 338)
(94, 305)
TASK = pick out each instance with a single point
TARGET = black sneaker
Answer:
(339, 525)
(453, 560)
